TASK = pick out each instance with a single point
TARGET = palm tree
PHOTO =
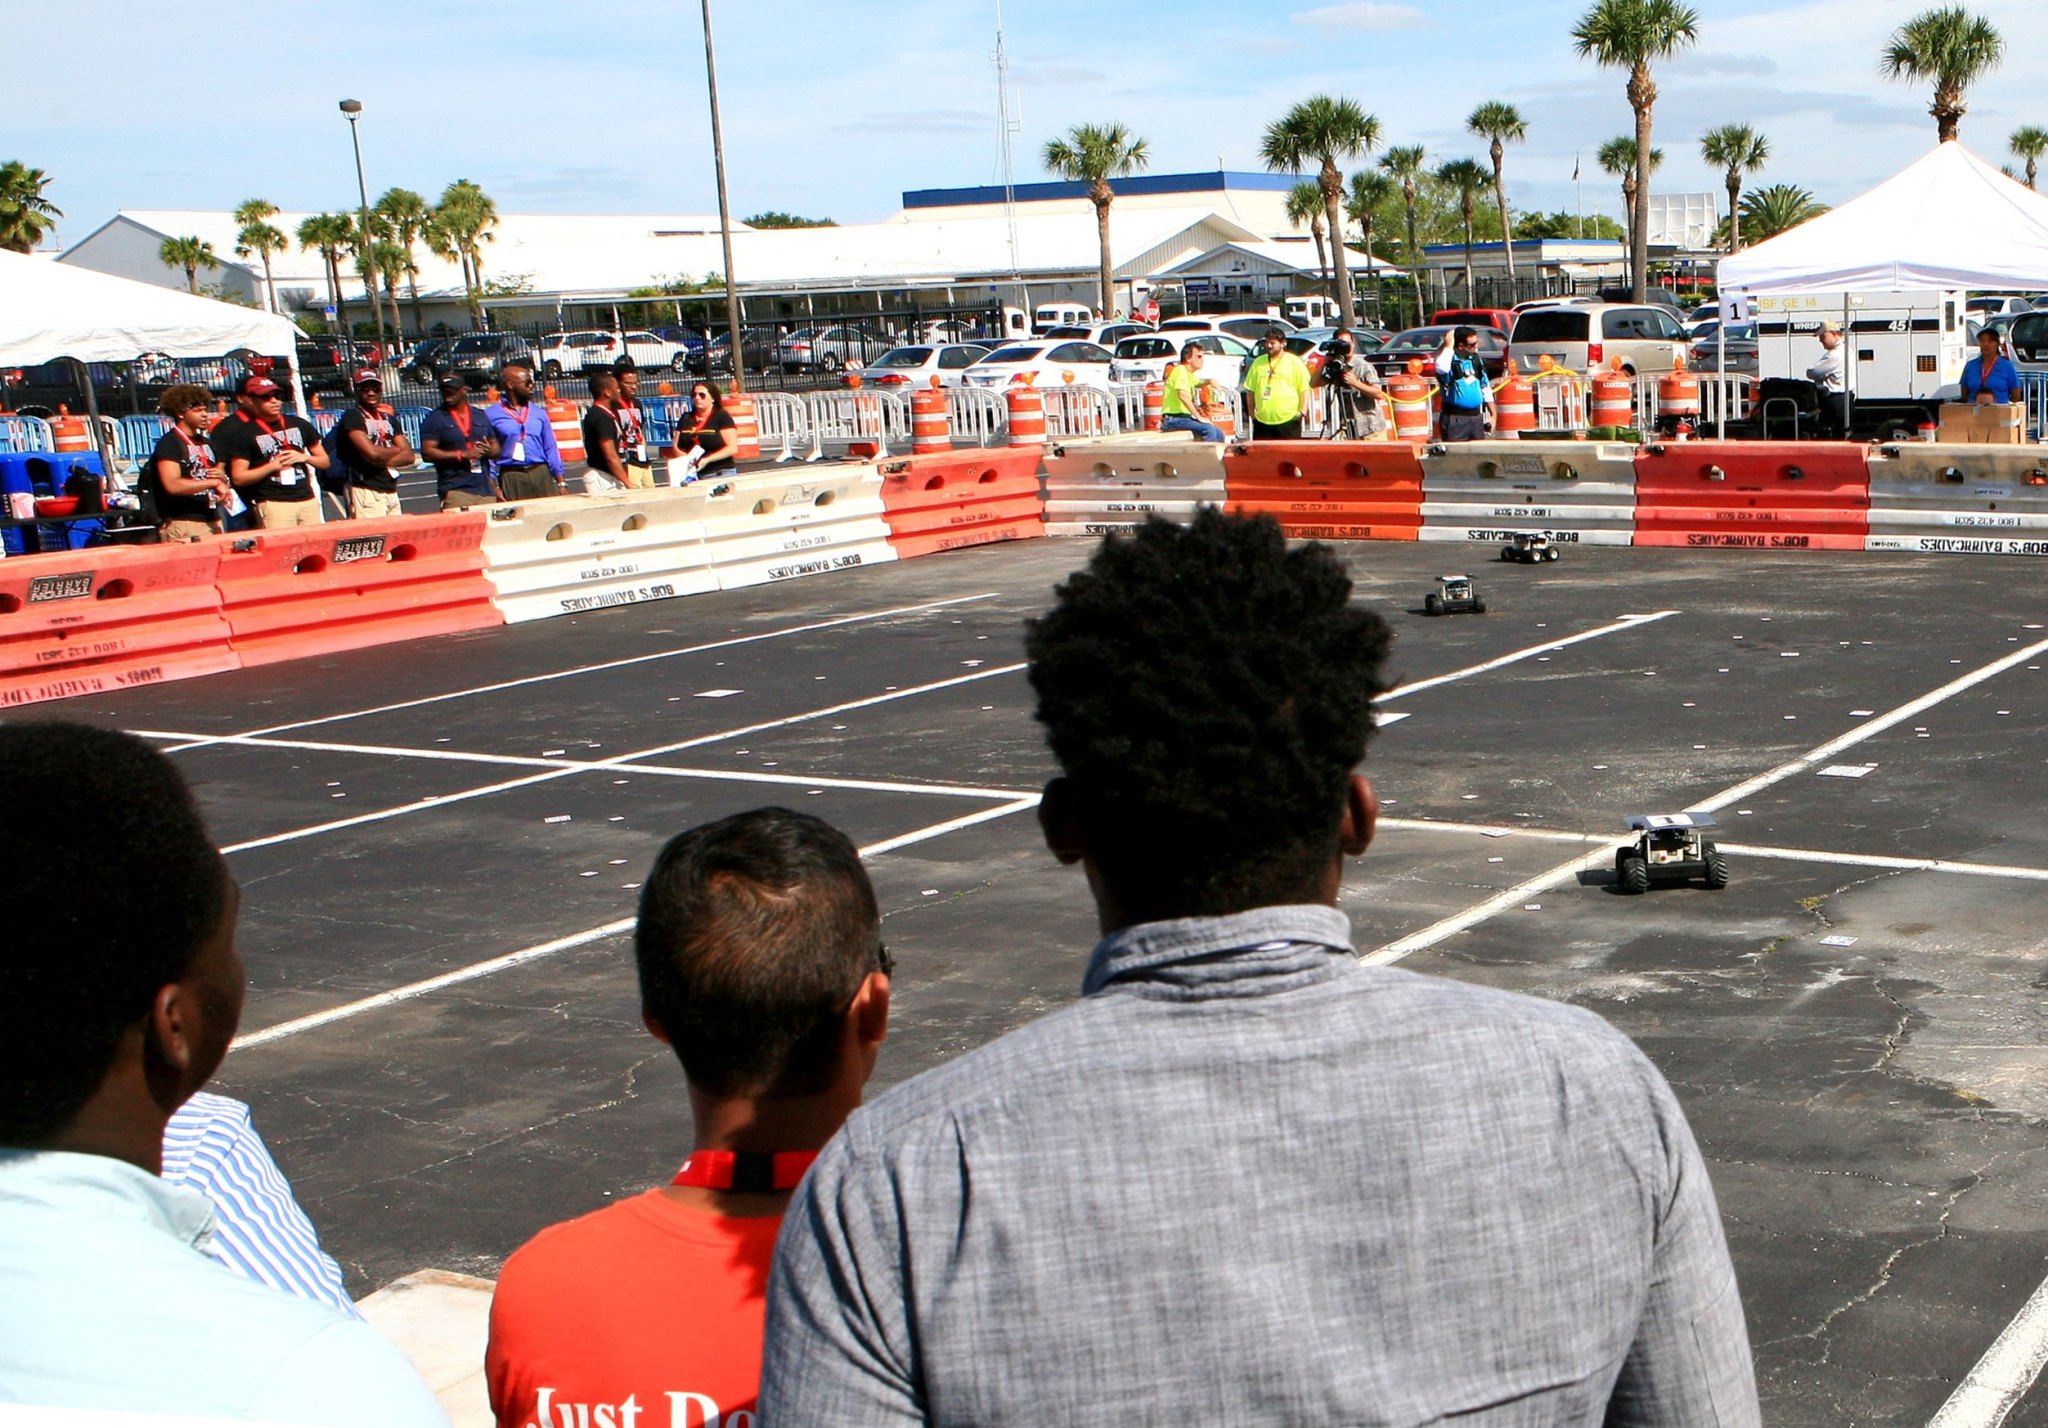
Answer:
(1305, 209)
(1767, 212)
(327, 234)
(2030, 143)
(1094, 154)
(1324, 130)
(1404, 165)
(24, 213)
(188, 253)
(1500, 124)
(1618, 157)
(1629, 34)
(1369, 190)
(1953, 48)
(388, 259)
(407, 214)
(256, 238)
(462, 222)
(1467, 180)
(1736, 149)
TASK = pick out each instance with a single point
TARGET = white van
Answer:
(1048, 315)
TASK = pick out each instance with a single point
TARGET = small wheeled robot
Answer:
(1453, 595)
(1669, 848)
(1528, 547)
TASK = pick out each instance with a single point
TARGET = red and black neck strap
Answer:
(760, 1171)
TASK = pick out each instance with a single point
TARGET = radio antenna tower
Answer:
(1005, 127)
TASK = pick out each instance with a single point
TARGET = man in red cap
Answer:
(271, 457)
(373, 448)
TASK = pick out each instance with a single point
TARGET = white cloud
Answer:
(1363, 15)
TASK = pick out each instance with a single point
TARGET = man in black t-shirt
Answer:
(270, 457)
(632, 425)
(607, 469)
(373, 449)
(180, 478)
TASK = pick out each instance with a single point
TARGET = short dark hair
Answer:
(602, 382)
(755, 933)
(82, 965)
(1189, 349)
(1208, 691)
(623, 364)
(181, 398)
(1464, 334)
(1274, 332)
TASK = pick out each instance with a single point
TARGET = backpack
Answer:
(1464, 386)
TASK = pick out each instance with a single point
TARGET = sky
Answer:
(834, 109)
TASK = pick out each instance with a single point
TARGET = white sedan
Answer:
(1044, 364)
(925, 365)
(1146, 358)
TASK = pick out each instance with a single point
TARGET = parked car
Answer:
(1102, 334)
(1646, 337)
(1245, 326)
(477, 357)
(1744, 355)
(325, 362)
(757, 352)
(1145, 357)
(1997, 305)
(1423, 343)
(1496, 317)
(827, 349)
(933, 365)
(426, 362)
(153, 372)
(1044, 364)
(563, 354)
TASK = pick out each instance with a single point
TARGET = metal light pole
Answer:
(353, 109)
(732, 294)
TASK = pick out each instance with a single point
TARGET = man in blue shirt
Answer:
(529, 465)
(118, 1010)
(1467, 396)
(457, 437)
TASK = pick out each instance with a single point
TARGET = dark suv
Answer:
(477, 357)
(325, 363)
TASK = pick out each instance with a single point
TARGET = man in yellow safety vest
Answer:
(1278, 383)
(1184, 391)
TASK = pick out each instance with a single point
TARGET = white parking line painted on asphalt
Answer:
(601, 667)
(1626, 622)
(1479, 912)
(605, 765)
(491, 965)
(1995, 1385)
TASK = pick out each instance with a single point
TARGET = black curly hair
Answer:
(1208, 691)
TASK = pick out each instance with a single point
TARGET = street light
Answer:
(732, 290)
(352, 109)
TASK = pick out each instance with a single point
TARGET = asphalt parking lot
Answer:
(439, 847)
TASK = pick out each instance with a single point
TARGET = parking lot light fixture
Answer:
(352, 110)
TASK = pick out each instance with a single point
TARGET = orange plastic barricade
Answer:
(961, 498)
(87, 621)
(568, 426)
(1155, 405)
(746, 432)
(347, 585)
(1329, 490)
(930, 431)
(1753, 495)
(1959, 499)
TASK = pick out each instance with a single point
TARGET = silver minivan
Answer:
(1585, 336)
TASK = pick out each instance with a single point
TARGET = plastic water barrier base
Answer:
(768, 526)
(1576, 493)
(1753, 495)
(1330, 490)
(1098, 485)
(953, 499)
(569, 555)
(89, 621)
(1959, 499)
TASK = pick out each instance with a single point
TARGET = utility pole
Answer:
(353, 109)
(732, 291)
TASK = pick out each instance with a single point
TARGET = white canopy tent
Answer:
(50, 310)
(1948, 220)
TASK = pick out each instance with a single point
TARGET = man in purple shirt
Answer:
(529, 464)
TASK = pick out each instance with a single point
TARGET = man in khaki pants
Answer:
(270, 456)
(372, 448)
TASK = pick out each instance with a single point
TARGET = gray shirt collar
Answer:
(1271, 947)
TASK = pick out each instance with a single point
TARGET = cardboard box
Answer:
(1983, 425)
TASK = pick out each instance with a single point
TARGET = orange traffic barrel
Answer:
(1516, 404)
(1155, 405)
(1678, 394)
(71, 432)
(746, 427)
(929, 430)
(1027, 416)
(1410, 395)
(1613, 399)
(562, 416)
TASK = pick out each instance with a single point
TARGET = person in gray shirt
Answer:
(1245, 1178)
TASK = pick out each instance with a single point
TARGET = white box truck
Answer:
(1902, 349)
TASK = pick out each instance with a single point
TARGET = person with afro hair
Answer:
(1248, 1177)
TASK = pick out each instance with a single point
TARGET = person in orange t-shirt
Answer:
(761, 963)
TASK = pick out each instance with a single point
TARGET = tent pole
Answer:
(99, 433)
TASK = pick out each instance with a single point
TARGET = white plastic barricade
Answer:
(1560, 404)
(1078, 411)
(568, 555)
(1959, 499)
(26, 433)
(977, 415)
(776, 525)
(785, 424)
(879, 418)
(1723, 399)
(1130, 405)
(1575, 492)
(1096, 485)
